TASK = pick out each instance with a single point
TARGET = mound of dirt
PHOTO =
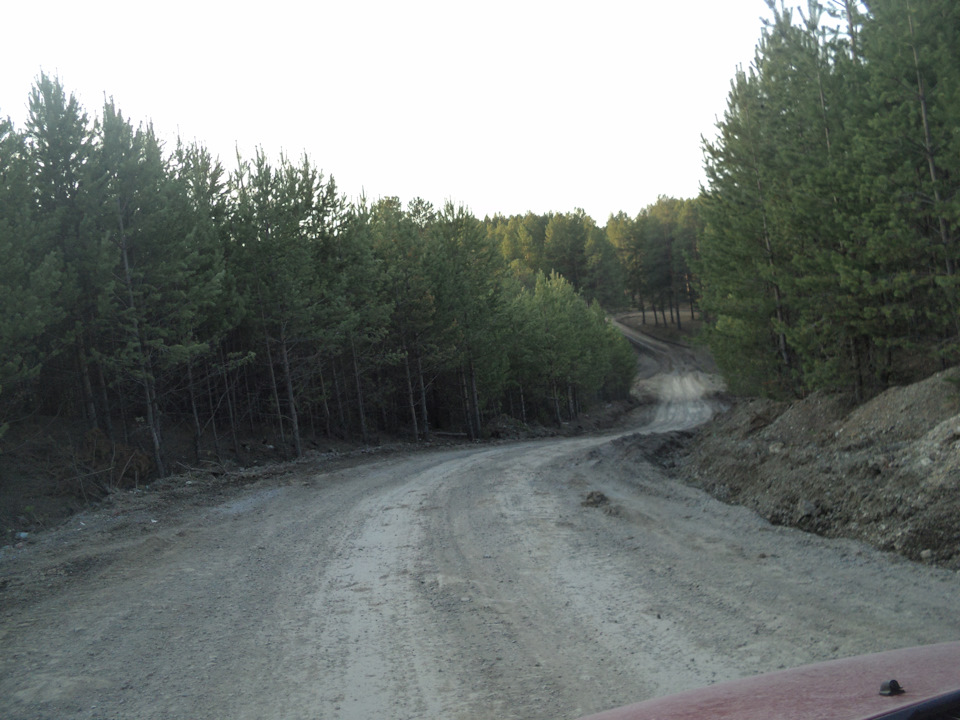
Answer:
(595, 498)
(886, 472)
(658, 448)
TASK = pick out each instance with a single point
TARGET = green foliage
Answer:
(31, 274)
(830, 250)
(145, 288)
(564, 345)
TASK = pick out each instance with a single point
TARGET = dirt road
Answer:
(463, 583)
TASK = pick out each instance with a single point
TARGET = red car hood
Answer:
(847, 689)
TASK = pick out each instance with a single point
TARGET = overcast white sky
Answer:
(503, 106)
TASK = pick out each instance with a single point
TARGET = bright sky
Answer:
(502, 106)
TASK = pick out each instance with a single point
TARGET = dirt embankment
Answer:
(886, 472)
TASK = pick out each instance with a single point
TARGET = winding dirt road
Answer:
(467, 583)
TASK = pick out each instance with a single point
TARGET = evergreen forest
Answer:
(147, 289)
(829, 258)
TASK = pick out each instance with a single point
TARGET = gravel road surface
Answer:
(467, 583)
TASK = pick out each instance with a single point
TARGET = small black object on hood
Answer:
(891, 687)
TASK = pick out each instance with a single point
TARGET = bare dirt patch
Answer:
(887, 472)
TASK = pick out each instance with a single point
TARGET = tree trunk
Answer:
(252, 402)
(930, 154)
(105, 400)
(778, 298)
(385, 418)
(476, 399)
(848, 6)
(274, 391)
(231, 412)
(338, 391)
(411, 398)
(424, 418)
(465, 399)
(214, 406)
(136, 336)
(194, 413)
(89, 404)
(291, 398)
(556, 405)
(356, 375)
(326, 404)
(857, 372)
(124, 425)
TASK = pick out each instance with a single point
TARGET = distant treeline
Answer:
(144, 288)
(830, 255)
(642, 261)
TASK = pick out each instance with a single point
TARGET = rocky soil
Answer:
(886, 472)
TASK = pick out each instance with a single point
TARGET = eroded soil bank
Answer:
(886, 472)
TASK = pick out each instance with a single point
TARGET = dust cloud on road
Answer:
(465, 583)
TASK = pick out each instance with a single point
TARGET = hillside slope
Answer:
(886, 472)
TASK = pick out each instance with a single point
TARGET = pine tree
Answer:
(741, 265)
(400, 247)
(771, 209)
(911, 170)
(31, 276)
(603, 276)
(58, 150)
(131, 216)
(624, 235)
(466, 270)
(285, 222)
(565, 246)
(202, 306)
